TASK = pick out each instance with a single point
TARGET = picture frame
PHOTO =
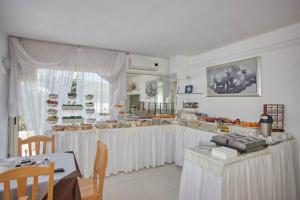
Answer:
(235, 79)
(188, 89)
(151, 88)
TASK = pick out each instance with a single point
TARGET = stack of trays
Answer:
(244, 144)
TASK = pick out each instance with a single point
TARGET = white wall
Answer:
(3, 99)
(280, 53)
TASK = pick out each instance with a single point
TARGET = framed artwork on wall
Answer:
(239, 78)
(151, 88)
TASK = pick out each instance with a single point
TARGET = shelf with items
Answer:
(90, 112)
(52, 111)
(190, 93)
(72, 112)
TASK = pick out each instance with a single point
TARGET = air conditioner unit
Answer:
(143, 63)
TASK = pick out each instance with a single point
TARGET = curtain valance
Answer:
(29, 55)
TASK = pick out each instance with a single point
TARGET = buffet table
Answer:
(131, 148)
(265, 174)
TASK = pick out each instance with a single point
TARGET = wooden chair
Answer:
(21, 173)
(93, 188)
(38, 139)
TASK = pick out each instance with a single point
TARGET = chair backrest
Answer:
(100, 166)
(21, 173)
(37, 140)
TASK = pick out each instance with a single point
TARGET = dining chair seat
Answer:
(89, 188)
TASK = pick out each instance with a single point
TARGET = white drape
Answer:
(35, 86)
(29, 55)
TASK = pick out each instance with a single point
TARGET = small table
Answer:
(65, 183)
(267, 175)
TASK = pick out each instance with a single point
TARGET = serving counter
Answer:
(265, 174)
(131, 148)
(268, 174)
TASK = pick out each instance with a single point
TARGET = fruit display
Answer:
(52, 103)
(89, 97)
(236, 122)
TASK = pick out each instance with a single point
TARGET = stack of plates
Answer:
(224, 153)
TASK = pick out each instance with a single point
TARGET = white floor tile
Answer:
(130, 190)
(121, 177)
(160, 183)
(156, 184)
(171, 195)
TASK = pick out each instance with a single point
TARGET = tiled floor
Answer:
(160, 183)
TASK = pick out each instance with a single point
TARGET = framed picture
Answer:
(151, 88)
(188, 89)
(240, 78)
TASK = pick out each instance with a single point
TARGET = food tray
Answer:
(89, 105)
(91, 120)
(58, 128)
(72, 128)
(52, 121)
(90, 111)
(86, 126)
(239, 142)
(89, 97)
(53, 105)
(72, 107)
(52, 96)
(52, 111)
(66, 121)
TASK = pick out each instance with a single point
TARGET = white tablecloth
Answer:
(270, 176)
(131, 148)
(61, 160)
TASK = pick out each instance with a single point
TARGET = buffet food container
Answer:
(86, 126)
(58, 128)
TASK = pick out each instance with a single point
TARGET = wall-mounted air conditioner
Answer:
(143, 63)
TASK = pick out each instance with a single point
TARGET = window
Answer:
(37, 85)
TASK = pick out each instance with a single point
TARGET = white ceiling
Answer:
(162, 28)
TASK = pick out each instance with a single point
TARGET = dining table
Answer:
(66, 184)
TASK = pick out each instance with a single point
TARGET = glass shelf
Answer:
(190, 93)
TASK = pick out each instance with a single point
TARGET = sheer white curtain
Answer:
(35, 87)
(28, 56)
(92, 83)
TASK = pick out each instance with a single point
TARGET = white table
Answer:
(61, 160)
(131, 148)
(268, 174)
